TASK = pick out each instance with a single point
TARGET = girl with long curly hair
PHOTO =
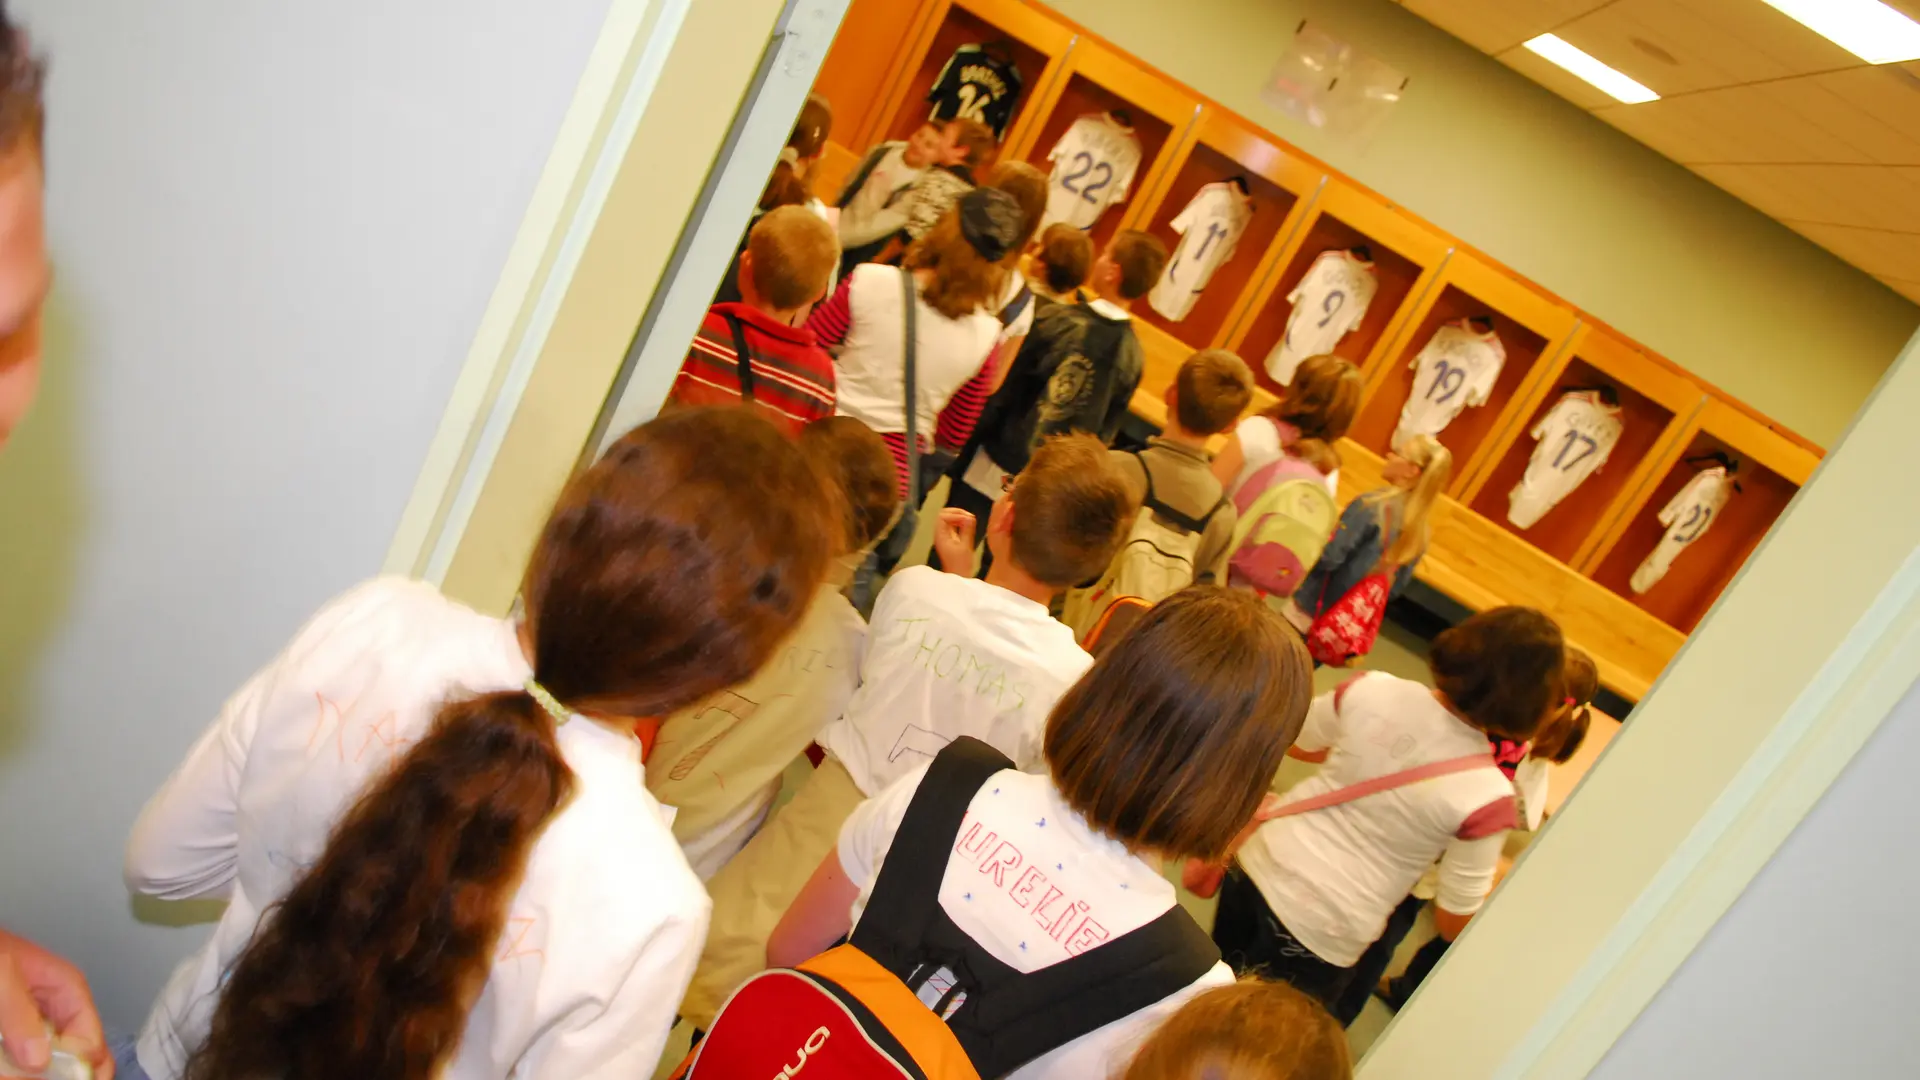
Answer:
(430, 824)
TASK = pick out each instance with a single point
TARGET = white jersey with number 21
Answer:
(1686, 516)
(1458, 368)
(1576, 436)
(1210, 229)
(1330, 300)
(1093, 166)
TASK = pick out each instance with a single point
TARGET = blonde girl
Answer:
(1383, 530)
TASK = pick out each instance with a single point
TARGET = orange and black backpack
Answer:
(910, 995)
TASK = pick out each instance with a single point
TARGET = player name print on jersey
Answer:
(1687, 517)
(1457, 370)
(980, 82)
(1575, 438)
(1329, 301)
(1210, 229)
(1093, 166)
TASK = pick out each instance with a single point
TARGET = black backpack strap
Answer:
(743, 360)
(1180, 520)
(859, 178)
(1017, 305)
(907, 893)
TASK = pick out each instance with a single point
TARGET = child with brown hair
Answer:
(1313, 886)
(758, 350)
(1062, 264)
(1158, 752)
(1077, 371)
(946, 655)
(871, 206)
(1184, 530)
(1252, 1030)
(429, 823)
(967, 146)
(718, 763)
(1312, 414)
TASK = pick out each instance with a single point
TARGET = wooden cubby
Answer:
(1095, 80)
(1037, 45)
(1406, 256)
(1772, 470)
(1532, 327)
(1280, 185)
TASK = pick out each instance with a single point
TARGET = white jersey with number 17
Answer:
(1576, 436)
(1210, 229)
(1330, 300)
(1093, 166)
(1458, 368)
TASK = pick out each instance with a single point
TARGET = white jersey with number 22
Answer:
(1458, 368)
(1330, 300)
(1210, 229)
(1093, 166)
(1686, 516)
(1576, 436)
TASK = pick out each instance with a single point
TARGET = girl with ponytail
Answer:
(430, 825)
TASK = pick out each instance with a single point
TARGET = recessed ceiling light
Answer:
(1614, 83)
(1868, 29)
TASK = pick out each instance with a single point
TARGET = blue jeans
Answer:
(126, 1062)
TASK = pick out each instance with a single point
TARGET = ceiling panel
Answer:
(1495, 26)
(1752, 101)
(1677, 46)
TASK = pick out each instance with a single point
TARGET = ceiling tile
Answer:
(1495, 26)
(1882, 254)
(1865, 196)
(1749, 184)
(1712, 43)
(1890, 97)
(1738, 125)
(1556, 79)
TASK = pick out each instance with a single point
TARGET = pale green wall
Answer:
(1583, 210)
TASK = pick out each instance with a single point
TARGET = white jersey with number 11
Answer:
(1093, 166)
(1576, 436)
(1210, 229)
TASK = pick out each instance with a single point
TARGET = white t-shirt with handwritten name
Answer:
(1034, 885)
(948, 656)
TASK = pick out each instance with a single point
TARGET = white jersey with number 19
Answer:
(1458, 368)
(1093, 166)
(1576, 436)
(1330, 300)
(1210, 229)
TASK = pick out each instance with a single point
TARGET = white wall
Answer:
(1811, 972)
(275, 228)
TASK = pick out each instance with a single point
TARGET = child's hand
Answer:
(953, 536)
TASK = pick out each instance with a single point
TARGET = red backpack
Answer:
(910, 995)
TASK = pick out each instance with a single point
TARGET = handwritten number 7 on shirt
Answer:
(1574, 438)
(1083, 164)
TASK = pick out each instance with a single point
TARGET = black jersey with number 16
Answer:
(977, 84)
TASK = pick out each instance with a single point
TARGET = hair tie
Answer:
(560, 713)
(790, 155)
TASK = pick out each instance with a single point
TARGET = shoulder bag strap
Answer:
(743, 361)
(909, 299)
(1184, 522)
(1388, 782)
(907, 892)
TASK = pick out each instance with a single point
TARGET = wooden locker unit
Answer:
(1532, 326)
(1280, 185)
(864, 63)
(1772, 470)
(1406, 256)
(1093, 80)
(1038, 44)
(1655, 405)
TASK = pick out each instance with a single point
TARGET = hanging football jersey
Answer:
(1093, 166)
(978, 83)
(1329, 301)
(1687, 517)
(1457, 369)
(1576, 436)
(1210, 228)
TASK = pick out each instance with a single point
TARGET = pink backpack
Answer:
(1286, 518)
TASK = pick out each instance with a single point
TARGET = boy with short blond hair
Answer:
(946, 655)
(758, 350)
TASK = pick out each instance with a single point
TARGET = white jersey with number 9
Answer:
(1576, 436)
(1093, 167)
(1330, 300)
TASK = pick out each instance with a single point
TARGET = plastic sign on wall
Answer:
(1326, 83)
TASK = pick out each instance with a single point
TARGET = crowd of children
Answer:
(432, 828)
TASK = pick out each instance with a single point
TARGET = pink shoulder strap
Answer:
(1385, 783)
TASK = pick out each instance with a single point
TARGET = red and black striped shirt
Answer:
(793, 381)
